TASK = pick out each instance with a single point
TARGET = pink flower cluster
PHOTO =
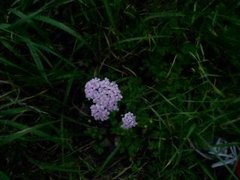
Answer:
(129, 121)
(105, 96)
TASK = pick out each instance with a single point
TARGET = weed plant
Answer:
(177, 64)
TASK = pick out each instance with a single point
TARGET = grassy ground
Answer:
(176, 62)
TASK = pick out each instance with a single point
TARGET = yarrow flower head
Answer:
(129, 121)
(105, 95)
(99, 112)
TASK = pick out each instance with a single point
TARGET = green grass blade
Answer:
(35, 55)
(59, 25)
(24, 130)
(106, 162)
(109, 13)
(9, 63)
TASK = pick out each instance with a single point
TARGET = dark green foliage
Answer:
(176, 63)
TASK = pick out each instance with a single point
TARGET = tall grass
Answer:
(176, 63)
